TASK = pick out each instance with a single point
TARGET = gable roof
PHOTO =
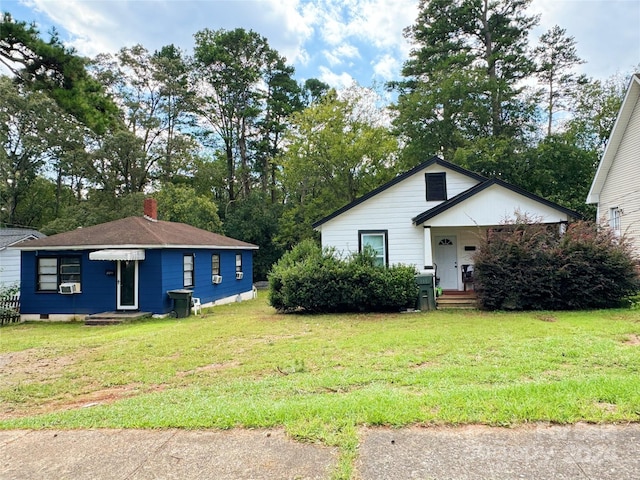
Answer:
(12, 236)
(619, 128)
(398, 179)
(136, 232)
(461, 197)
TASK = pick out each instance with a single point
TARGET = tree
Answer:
(281, 99)
(463, 79)
(237, 115)
(334, 155)
(179, 203)
(31, 128)
(561, 171)
(557, 57)
(595, 109)
(152, 92)
(50, 67)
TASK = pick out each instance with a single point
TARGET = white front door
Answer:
(445, 257)
(127, 290)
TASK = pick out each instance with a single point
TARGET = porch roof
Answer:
(118, 254)
(467, 194)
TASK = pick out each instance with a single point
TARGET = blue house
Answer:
(130, 265)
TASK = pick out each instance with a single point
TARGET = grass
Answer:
(322, 377)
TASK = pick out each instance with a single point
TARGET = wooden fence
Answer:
(9, 309)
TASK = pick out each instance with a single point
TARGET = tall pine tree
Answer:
(463, 79)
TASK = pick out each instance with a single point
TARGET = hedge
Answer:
(315, 280)
(531, 266)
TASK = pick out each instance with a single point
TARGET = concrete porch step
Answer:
(114, 318)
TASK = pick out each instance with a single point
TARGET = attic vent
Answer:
(436, 186)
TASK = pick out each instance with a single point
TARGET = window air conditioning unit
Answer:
(69, 288)
(216, 279)
(238, 275)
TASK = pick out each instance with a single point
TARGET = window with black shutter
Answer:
(436, 186)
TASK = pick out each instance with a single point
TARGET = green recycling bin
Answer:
(427, 293)
(181, 301)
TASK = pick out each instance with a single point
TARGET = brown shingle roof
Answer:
(137, 232)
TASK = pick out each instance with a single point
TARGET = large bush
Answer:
(531, 266)
(314, 280)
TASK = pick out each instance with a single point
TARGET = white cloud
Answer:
(387, 67)
(337, 56)
(363, 37)
(336, 80)
(102, 26)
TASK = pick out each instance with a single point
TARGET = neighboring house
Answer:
(433, 217)
(9, 257)
(615, 188)
(130, 265)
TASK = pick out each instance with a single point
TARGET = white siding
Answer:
(493, 206)
(392, 210)
(9, 267)
(621, 187)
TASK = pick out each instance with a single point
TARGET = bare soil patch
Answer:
(632, 340)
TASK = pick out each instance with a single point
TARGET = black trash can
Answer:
(427, 293)
(181, 301)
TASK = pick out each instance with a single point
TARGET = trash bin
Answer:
(427, 294)
(181, 302)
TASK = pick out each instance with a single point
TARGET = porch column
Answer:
(428, 251)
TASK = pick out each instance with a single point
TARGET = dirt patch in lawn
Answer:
(34, 364)
(632, 339)
(208, 368)
(104, 396)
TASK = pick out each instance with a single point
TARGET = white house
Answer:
(10, 257)
(616, 185)
(433, 217)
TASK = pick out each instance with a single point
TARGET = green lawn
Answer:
(323, 376)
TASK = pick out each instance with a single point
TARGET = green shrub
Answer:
(530, 266)
(314, 280)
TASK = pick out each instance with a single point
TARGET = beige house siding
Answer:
(621, 188)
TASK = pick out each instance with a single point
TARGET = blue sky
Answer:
(337, 41)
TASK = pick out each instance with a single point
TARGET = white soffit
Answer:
(117, 254)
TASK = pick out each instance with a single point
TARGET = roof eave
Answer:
(444, 206)
(624, 115)
(146, 247)
(433, 160)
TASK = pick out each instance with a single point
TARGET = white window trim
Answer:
(615, 220)
(385, 243)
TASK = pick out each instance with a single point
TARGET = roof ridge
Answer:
(147, 225)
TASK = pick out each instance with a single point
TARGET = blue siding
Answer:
(98, 288)
(160, 271)
(172, 273)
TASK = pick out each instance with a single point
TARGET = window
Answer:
(52, 271)
(377, 242)
(47, 274)
(436, 186)
(614, 220)
(215, 264)
(188, 270)
(238, 262)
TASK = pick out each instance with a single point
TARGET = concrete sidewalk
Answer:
(473, 452)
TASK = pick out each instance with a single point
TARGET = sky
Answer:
(336, 41)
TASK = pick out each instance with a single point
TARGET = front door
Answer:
(445, 256)
(127, 292)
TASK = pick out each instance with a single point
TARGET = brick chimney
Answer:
(151, 209)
